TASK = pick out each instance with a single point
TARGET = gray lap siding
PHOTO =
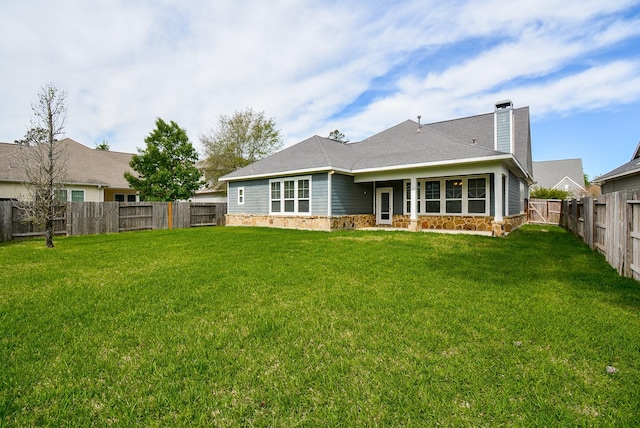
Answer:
(257, 196)
(348, 198)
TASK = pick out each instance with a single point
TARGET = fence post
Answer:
(6, 228)
(170, 215)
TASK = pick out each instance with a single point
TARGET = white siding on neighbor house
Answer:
(9, 190)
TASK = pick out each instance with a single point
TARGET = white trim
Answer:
(443, 200)
(566, 177)
(296, 199)
(241, 195)
(379, 192)
(289, 173)
(329, 186)
(320, 169)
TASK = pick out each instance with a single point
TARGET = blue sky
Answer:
(316, 66)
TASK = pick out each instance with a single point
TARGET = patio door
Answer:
(384, 205)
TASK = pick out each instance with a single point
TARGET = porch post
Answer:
(413, 217)
(497, 225)
(497, 189)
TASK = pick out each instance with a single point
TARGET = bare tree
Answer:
(43, 161)
(237, 141)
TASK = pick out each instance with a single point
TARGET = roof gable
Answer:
(551, 174)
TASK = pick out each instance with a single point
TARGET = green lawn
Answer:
(256, 327)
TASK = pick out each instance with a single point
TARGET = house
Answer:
(565, 174)
(625, 177)
(92, 175)
(471, 173)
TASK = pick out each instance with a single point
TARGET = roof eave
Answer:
(285, 173)
(601, 181)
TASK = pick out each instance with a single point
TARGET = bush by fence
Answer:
(86, 218)
(609, 224)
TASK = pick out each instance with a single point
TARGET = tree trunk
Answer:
(49, 234)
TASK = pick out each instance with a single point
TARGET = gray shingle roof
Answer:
(398, 146)
(549, 173)
(84, 165)
(631, 167)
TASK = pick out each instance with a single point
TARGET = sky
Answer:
(315, 66)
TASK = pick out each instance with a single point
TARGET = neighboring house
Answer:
(92, 175)
(566, 174)
(625, 177)
(471, 173)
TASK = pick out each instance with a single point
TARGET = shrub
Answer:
(544, 193)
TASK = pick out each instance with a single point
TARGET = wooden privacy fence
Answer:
(87, 218)
(609, 224)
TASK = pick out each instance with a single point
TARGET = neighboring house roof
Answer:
(407, 144)
(85, 166)
(554, 174)
(629, 168)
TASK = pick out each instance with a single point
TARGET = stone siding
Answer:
(471, 223)
(455, 222)
(284, 222)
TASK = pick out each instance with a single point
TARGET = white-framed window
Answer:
(290, 195)
(450, 195)
(240, 195)
(77, 195)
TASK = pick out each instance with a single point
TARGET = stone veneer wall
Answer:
(480, 223)
(284, 222)
(303, 222)
(455, 222)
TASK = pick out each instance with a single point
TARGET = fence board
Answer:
(610, 225)
(82, 218)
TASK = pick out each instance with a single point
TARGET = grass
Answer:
(266, 327)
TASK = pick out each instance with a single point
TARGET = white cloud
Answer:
(126, 63)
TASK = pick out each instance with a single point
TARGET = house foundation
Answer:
(359, 221)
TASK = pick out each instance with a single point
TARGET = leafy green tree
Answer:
(544, 193)
(166, 168)
(338, 136)
(43, 162)
(237, 141)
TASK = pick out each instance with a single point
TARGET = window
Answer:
(432, 196)
(477, 195)
(77, 195)
(290, 196)
(61, 195)
(275, 197)
(303, 196)
(240, 195)
(131, 198)
(454, 195)
(118, 197)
